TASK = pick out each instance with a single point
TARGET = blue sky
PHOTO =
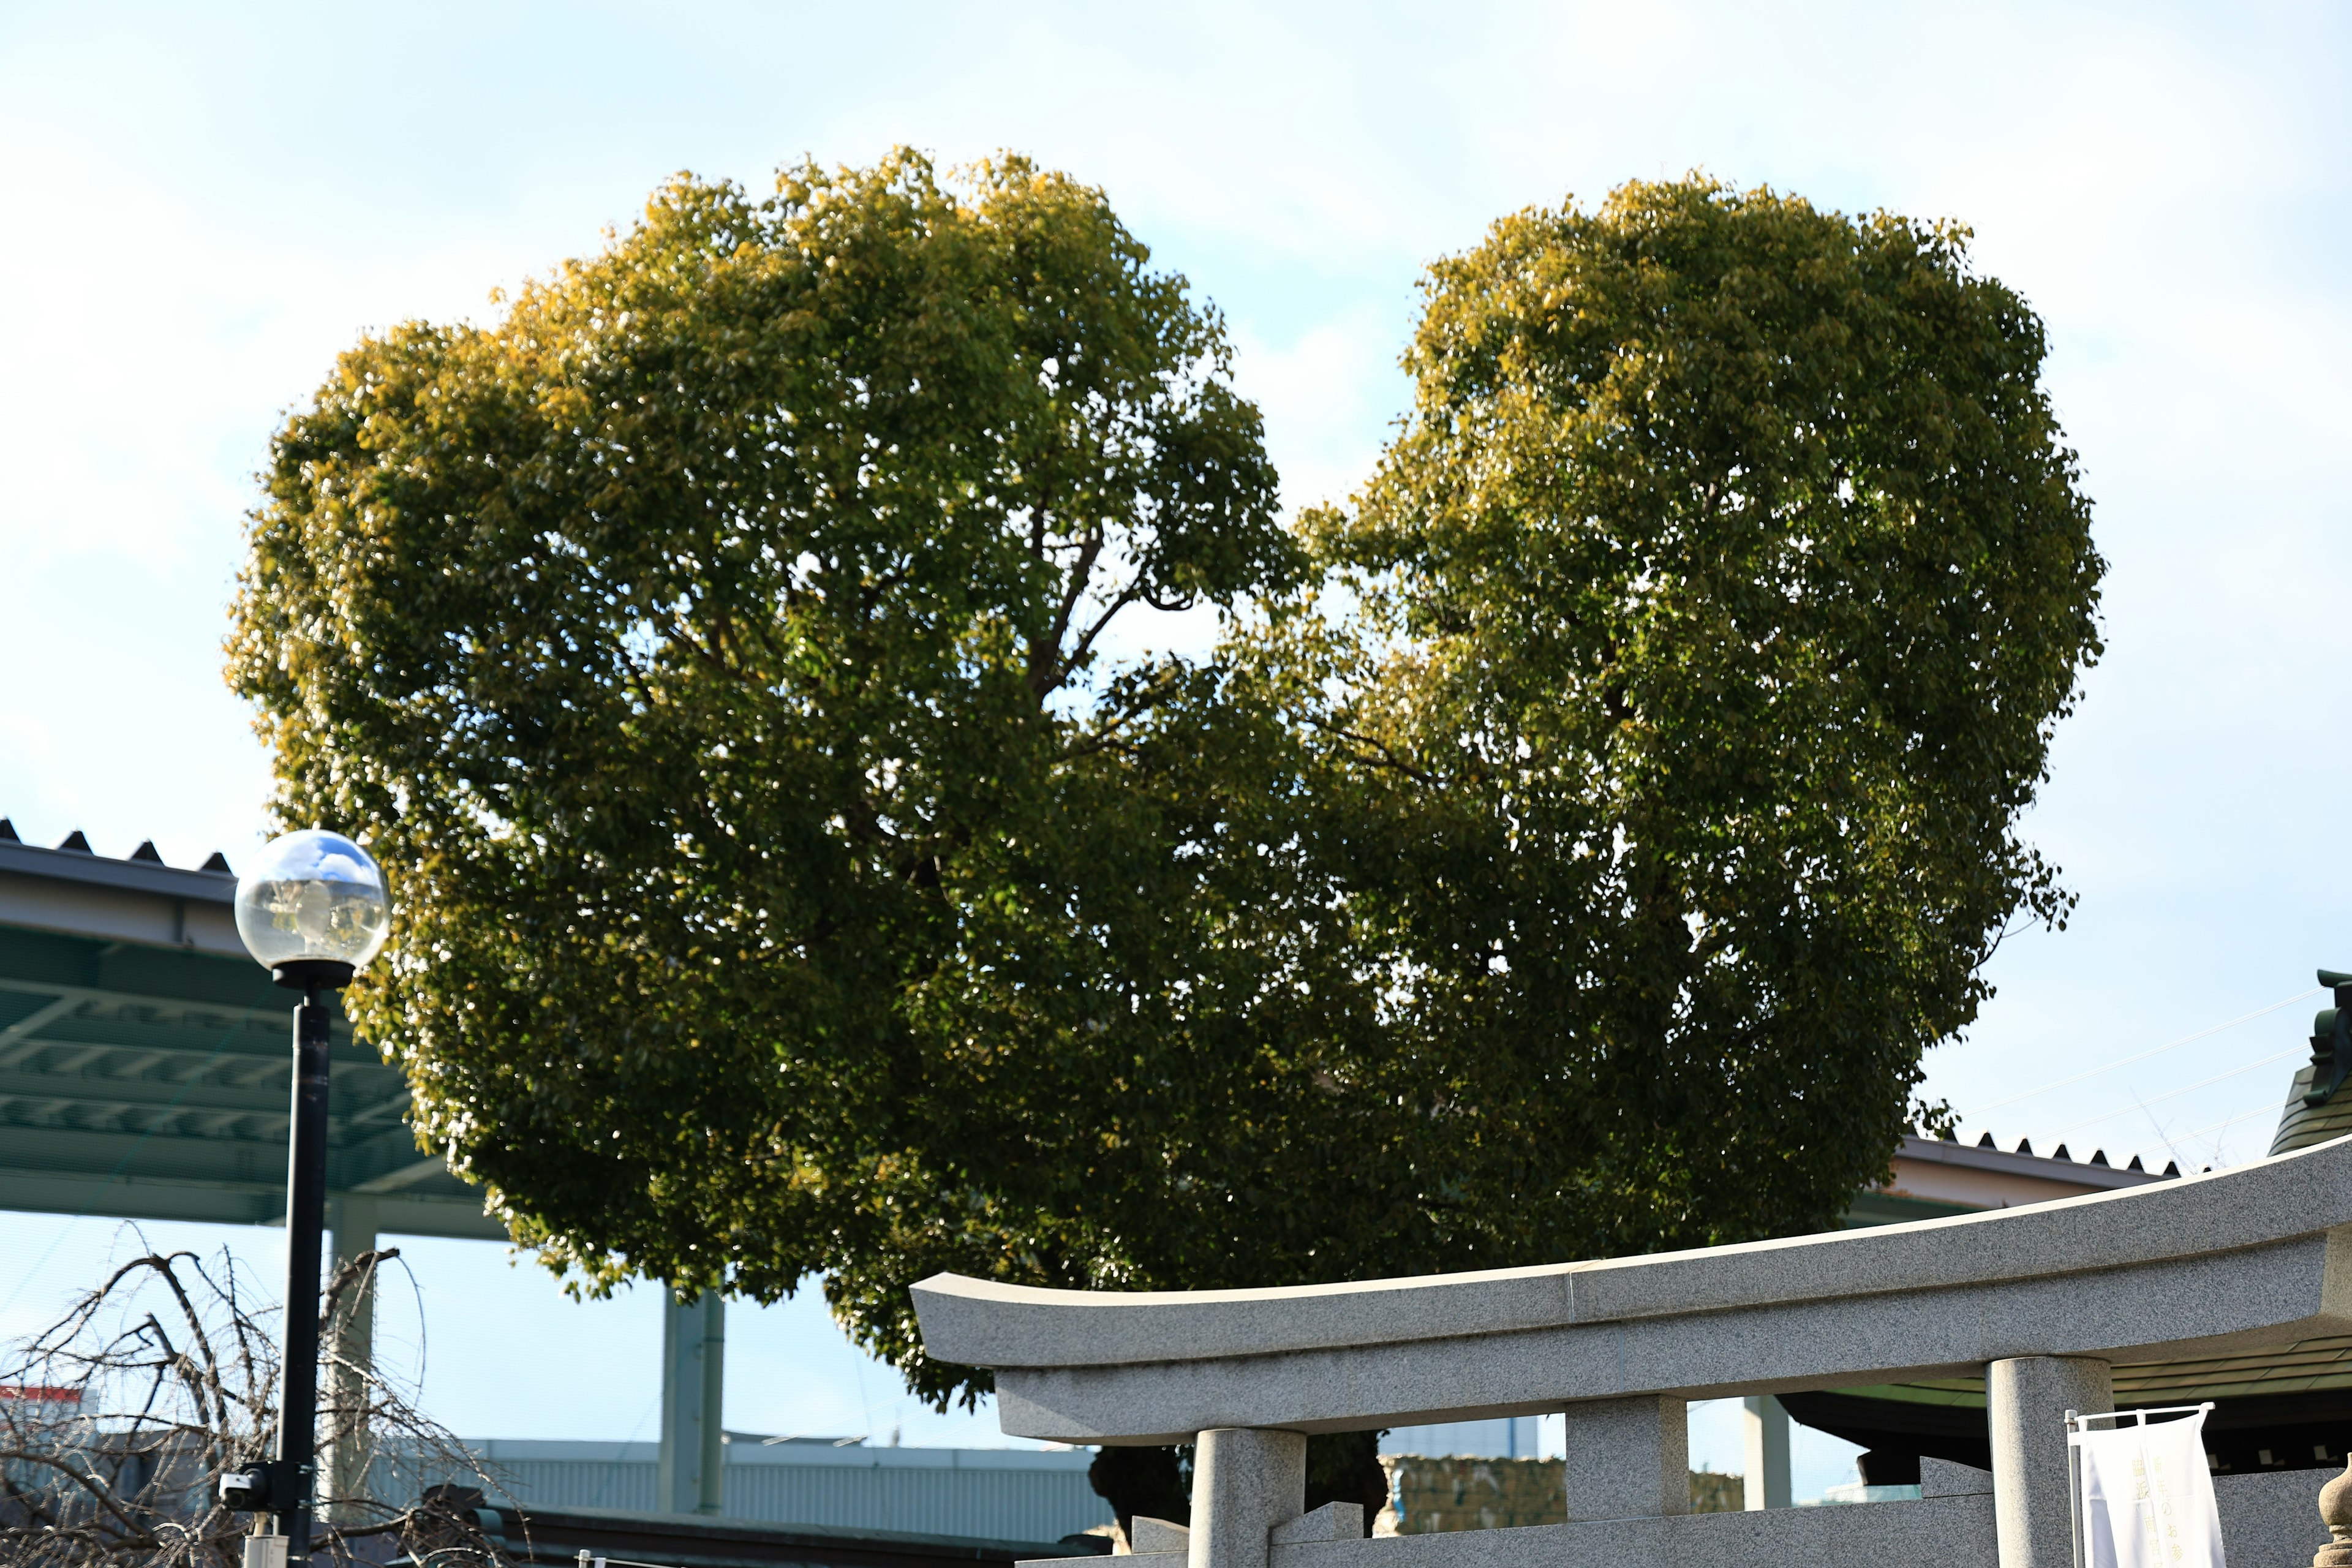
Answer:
(202, 206)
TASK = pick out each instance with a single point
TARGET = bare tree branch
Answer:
(113, 1438)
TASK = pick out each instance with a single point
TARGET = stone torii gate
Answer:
(2042, 1301)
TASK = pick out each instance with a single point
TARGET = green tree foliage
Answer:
(1570, 849)
(1715, 607)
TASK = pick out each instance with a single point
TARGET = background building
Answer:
(989, 1494)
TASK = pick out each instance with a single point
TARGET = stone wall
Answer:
(1430, 1496)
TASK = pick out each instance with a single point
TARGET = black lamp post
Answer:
(313, 909)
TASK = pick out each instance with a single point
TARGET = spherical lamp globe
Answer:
(312, 907)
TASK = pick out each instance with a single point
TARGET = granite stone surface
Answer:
(1941, 1477)
(1244, 1483)
(2271, 1519)
(983, 1323)
(1019, 1325)
(2041, 1299)
(1147, 1535)
(1332, 1522)
(2026, 1401)
(1628, 1459)
(1948, 1532)
(2166, 1309)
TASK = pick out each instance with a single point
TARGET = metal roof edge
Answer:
(2081, 1172)
(128, 876)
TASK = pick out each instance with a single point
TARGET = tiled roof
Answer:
(2300, 1125)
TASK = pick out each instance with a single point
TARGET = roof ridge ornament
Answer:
(2331, 1041)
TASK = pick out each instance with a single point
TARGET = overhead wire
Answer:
(2160, 1050)
(2224, 1122)
(2174, 1093)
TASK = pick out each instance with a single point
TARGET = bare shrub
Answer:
(118, 1421)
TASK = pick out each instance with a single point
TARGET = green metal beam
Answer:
(132, 1092)
(144, 1063)
(403, 1214)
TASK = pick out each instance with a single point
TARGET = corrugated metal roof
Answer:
(144, 1060)
(990, 1493)
(144, 872)
(2093, 1174)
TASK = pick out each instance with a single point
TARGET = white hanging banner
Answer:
(2147, 1496)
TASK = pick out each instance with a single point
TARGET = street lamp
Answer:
(314, 910)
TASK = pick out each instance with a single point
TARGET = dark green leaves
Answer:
(1734, 576)
(1570, 849)
(693, 642)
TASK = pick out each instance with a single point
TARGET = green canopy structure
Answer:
(145, 1068)
(144, 1061)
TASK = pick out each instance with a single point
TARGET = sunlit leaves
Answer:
(1570, 848)
(1717, 603)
